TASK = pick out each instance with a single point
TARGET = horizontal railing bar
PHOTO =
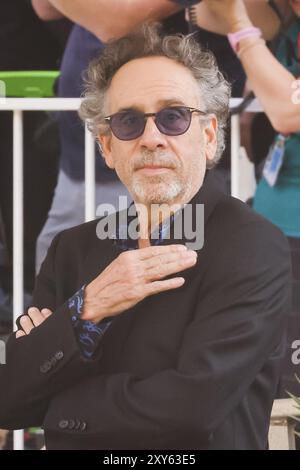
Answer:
(72, 104)
(39, 104)
(253, 107)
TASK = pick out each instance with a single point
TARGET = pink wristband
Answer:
(235, 38)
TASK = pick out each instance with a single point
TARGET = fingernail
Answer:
(32, 309)
(191, 253)
(46, 311)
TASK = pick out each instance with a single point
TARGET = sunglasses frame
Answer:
(146, 115)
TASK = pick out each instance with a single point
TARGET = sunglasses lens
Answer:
(173, 121)
(127, 125)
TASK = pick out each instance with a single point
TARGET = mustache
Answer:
(154, 159)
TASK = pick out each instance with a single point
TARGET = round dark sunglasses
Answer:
(130, 124)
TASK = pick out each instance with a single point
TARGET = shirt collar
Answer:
(125, 242)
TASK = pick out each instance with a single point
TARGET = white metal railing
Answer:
(17, 106)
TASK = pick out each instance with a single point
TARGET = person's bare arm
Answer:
(260, 13)
(273, 85)
(114, 18)
(45, 10)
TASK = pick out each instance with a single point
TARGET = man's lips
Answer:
(153, 169)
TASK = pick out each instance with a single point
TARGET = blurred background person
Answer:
(20, 33)
(210, 35)
(278, 192)
(211, 29)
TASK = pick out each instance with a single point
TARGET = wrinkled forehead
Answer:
(149, 83)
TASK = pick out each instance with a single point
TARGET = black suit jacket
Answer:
(192, 368)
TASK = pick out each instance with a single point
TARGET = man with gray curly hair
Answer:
(160, 347)
(207, 89)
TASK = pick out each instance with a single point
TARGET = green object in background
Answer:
(29, 84)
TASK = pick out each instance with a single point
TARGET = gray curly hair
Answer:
(149, 41)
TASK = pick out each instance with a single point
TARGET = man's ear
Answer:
(105, 144)
(210, 134)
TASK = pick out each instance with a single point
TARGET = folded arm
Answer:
(36, 363)
(65, 346)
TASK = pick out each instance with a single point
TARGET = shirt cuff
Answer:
(88, 334)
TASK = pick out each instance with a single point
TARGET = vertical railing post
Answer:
(90, 203)
(235, 155)
(18, 264)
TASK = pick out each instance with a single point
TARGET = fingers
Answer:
(26, 324)
(46, 312)
(20, 333)
(151, 251)
(171, 264)
(161, 286)
(164, 258)
(34, 318)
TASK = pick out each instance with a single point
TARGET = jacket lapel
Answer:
(191, 220)
(103, 252)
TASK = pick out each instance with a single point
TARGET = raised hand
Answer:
(133, 276)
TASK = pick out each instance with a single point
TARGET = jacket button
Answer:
(78, 424)
(71, 424)
(83, 426)
(63, 424)
(59, 355)
(53, 361)
(45, 367)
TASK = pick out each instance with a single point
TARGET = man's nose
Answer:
(152, 137)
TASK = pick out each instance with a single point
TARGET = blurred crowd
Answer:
(66, 36)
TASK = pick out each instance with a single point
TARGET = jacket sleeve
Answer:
(238, 324)
(42, 363)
